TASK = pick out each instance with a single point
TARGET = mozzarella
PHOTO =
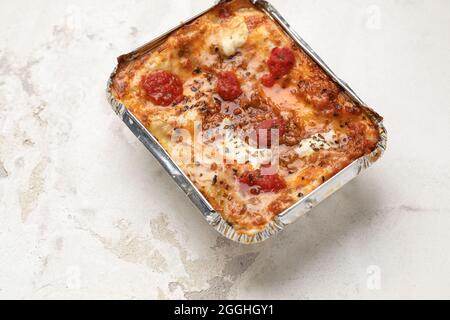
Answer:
(202, 174)
(185, 118)
(232, 36)
(236, 149)
(320, 141)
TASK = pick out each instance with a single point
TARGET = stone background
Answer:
(86, 212)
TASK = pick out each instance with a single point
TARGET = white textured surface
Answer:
(86, 212)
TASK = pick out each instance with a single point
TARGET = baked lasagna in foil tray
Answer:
(248, 116)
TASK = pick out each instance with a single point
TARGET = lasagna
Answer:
(248, 116)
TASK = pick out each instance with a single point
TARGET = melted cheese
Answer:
(320, 141)
(239, 151)
(233, 36)
(185, 119)
(229, 146)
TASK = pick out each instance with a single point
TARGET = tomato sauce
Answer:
(281, 62)
(228, 86)
(162, 88)
(262, 183)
